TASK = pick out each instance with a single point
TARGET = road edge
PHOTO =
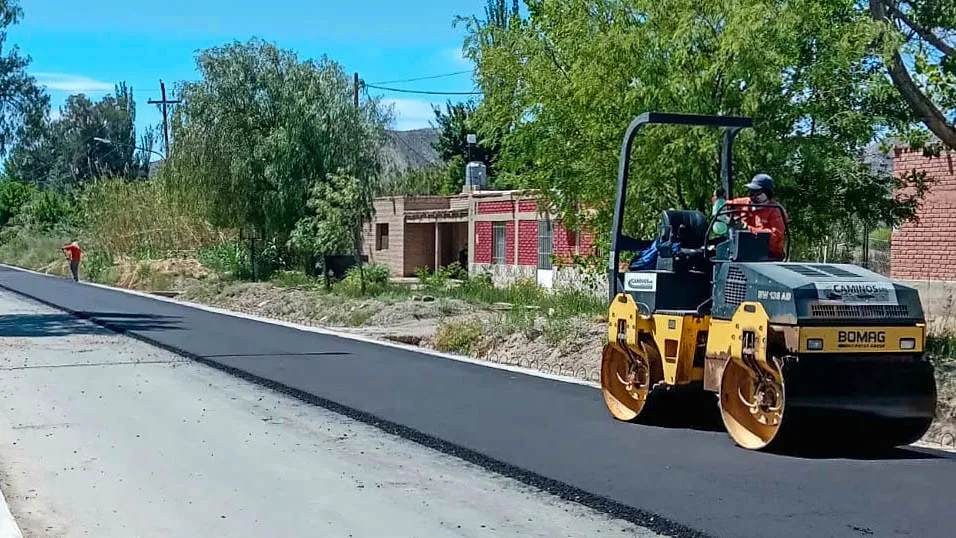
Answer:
(656, 523)
(328, 332)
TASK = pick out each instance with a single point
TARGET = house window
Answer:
(499, 243)
(545, 229)
(381, 236)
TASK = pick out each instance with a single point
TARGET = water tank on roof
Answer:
(476, 175)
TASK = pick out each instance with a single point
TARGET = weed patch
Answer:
(462, 337)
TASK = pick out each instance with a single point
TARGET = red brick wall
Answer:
(528, 242)
(586, 243)
(926, 250)
(562, 241)
(483, 242)
(527, 206)
(510, 243)
(486, 208)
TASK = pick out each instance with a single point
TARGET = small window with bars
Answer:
(545, 230)
(499, 242)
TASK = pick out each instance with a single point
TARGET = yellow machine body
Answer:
(741, 360)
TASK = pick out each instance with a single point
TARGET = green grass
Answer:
(34, 250)
(295, 279)
(941, 349)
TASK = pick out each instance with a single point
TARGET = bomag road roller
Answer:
(798, 354)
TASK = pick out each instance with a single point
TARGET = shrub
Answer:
(47, 210)
(225, 259)
(463, 337)
(13, 197)
(557, 330)
(96, 265)
(376, 281)
(941, 349)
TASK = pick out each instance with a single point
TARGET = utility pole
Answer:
(355, 90)
(356, 86)
(164, 102)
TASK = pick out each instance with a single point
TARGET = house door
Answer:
(545, 276)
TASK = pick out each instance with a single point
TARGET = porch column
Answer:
(437, 246)
(472, 210)
(515, 203)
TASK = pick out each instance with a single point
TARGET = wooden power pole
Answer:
(357, 84)
(355, 90)
(164, 102)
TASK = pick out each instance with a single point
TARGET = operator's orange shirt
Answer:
(764, 219)
(73, 252)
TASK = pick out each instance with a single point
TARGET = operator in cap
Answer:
(761, 213)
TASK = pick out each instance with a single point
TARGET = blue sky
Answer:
(87, 47)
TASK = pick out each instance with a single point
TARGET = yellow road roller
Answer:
(798, 354)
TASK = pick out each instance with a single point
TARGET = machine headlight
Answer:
(814, 344)
(907, 343)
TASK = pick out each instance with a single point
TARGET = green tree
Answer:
(65, 153)
(22, 103)
(454, 124)
(922, 30)
(564, 83)
(261, 130)
(339, 207)
(13, 197)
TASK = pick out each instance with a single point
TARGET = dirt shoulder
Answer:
(568, 346)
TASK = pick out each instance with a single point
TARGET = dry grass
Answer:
(144, 219)
(157, 275)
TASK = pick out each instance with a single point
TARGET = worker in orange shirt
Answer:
(73, 253)
(770, 217)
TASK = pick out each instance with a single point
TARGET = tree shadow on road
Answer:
(46, 325)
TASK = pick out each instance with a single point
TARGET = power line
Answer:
(420, 92)
(422, 78)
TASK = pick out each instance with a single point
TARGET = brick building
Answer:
(926, 250)
(412, 232)
(514, 238)
(500, 232)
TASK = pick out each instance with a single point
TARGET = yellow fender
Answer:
(752, 395)
(629, 368)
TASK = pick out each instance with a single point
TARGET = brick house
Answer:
(515, 239)
(412, 232)
(499, 232)
(926, 250)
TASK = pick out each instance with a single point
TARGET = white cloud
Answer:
(64, 82)
(457, 55)
(410, 113)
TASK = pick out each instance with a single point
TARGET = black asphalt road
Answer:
(555, 435)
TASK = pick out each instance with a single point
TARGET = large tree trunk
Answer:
(925, 109)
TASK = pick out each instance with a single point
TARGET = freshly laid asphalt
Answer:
(554, 435)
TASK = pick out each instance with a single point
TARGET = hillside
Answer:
(409, 149)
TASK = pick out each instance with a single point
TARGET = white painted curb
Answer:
(332, 332)
(8, 525)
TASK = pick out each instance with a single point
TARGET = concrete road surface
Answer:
(101, 435)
